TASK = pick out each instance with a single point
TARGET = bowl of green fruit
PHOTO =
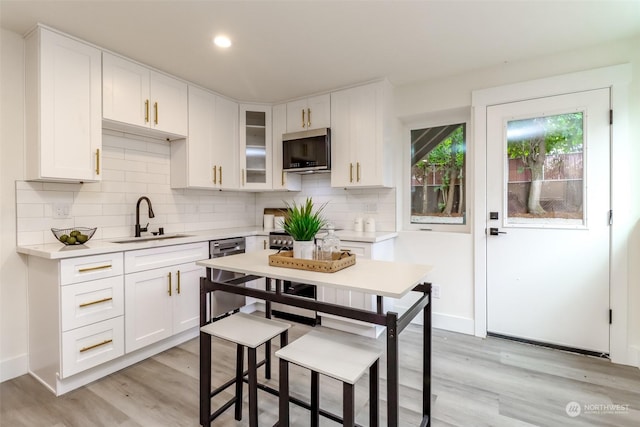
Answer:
(73, 236)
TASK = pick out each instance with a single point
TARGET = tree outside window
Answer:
(545, 158)
(438, 175)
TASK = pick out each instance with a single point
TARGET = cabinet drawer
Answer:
(91, 302)
(147, 259)
(360, 249)
(86, 347)
(83, 269)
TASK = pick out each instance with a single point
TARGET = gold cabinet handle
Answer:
(169, 275)
(358, 171)
(242, 176)
(91, 347)
(303, 117)
(146, 111)
(98, 161)
(155, 106)
(283, 178)
(264, 244)
(99, 267)
(350, 172)
(178, 274)
(308, 118)
(220, 169)
(86, 304)
(215, 175)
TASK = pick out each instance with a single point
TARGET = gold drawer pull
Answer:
(178, 274)
(169, 291)
(91, 347)
(98, 161)
(350, 172)
(220, 169)
(215, 175)
(358, 172)
(100, 267)
(86, 304)
(146, 111)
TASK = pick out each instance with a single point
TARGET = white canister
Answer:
(370, 225)
(358, 224)
(268, 222)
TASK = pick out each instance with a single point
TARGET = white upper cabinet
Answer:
(309, 113)
(282, 181)
(208, 158)
(137, 96)
(63, 108)
(255, 147)
(361, 146)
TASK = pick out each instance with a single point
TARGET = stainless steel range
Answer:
(281, 240)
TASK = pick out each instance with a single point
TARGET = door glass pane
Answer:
(545, 182)
(438, 175)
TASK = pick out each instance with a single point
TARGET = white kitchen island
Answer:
(381, 278)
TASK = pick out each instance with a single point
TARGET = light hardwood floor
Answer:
(476, 382)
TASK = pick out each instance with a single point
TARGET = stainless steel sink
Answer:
(151, 238)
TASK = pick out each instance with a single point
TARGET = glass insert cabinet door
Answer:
(255, 146)
(545, 170)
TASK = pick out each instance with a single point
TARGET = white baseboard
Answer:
(14, 367)
(447, 322)
(634, 355)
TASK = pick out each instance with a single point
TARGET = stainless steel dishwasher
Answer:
(223, 302)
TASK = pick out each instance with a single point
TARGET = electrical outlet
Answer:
(371, 207)
(435, 291)
(61, 210)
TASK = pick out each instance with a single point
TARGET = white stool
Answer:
(342, 356)
(244, 330)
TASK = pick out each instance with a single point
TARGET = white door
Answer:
(548, 197)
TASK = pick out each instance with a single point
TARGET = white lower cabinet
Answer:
(162, 288)
(91, 316)
(380, 251)
(160, 303)
(76, 316)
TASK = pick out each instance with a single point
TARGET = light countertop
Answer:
(386, 278)
(57, 250)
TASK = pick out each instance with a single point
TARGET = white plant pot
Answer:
(303, 249)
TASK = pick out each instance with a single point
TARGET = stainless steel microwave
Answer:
(307, 151)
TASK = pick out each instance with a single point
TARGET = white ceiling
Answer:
(287, 49)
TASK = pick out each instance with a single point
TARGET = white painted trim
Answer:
(447, 322)
(634, 356)
(617, 78)
(14, 367)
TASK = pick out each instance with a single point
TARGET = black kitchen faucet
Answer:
(151, 215)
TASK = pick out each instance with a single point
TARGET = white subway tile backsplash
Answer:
(136, 166)
(31, 210)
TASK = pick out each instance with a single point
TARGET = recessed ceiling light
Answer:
(222, 41)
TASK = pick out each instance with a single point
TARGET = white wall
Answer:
(13, 283)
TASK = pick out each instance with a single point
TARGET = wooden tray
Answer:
(286, 259)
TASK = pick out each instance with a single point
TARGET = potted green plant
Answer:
(302, 223)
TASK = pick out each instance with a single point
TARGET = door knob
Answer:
(494, 231)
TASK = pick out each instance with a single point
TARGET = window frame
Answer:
(444, 118)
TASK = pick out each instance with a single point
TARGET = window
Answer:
(438, 177)
(545, 170)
